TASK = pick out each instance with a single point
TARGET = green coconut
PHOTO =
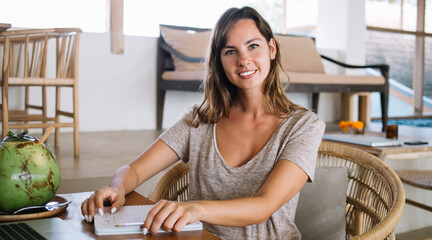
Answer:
(29, 172)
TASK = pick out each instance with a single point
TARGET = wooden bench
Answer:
(181, 52)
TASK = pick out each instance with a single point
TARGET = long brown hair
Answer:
(219, 91)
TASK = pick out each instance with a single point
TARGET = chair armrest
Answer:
(384, 68)
(171, 50)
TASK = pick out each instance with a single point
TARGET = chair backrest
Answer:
(375, 195)
(25, 53)
(173, 185)
(299, 54)
(186, 46)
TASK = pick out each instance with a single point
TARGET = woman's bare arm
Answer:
(155, 159)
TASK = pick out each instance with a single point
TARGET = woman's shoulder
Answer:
(184, 126)
(303, 113)
(301, 117)
(189, 114)
(191, 118)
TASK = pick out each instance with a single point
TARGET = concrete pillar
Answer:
(341, 27)
(340, 34)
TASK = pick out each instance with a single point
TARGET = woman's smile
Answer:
(247, 74)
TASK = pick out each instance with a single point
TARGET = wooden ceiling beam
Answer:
(116, 26)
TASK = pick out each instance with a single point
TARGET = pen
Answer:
(129, 224)
(133, 224)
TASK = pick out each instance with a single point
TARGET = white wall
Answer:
(341, 26)
(117, 92)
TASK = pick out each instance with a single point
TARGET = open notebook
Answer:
(128, 220)
(365, 140)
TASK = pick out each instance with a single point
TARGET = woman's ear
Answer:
(273, 48)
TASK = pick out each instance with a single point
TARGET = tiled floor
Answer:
(101, 153)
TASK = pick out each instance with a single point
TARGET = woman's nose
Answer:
(244, 60)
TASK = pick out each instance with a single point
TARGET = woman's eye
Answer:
(229, 52)
(253, 46)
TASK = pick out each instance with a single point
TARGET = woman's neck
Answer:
(250, 103)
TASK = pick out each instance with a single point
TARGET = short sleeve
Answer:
(303, 143)
(177, 138)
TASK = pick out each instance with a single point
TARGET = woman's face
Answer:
(246, 56)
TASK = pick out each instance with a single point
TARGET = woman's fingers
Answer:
(84, 209)
(181, 222)
(168, 216)
(109, 196)
(87, 209)
(149, 220)
(157, 216)
(172, 221)
(95, 203)
(99, 199)
(91, 208)
(116, 202)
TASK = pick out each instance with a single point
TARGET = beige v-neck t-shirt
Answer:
(296, 139)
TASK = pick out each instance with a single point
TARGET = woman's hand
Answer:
(97, 199)
(170, 215)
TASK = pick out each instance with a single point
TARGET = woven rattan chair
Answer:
(417, 178)
(375, 195)
(173, 185)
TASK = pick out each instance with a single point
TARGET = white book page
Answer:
(117, 223)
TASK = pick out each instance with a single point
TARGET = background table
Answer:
(73, 216)
(398, 152)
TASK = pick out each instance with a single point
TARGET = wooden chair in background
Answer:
(40, 58)
(417, 178)
(180, 58)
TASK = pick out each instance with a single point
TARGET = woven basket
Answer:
(375, 195)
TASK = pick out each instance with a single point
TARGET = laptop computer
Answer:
(365, 140)
(45, 228)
